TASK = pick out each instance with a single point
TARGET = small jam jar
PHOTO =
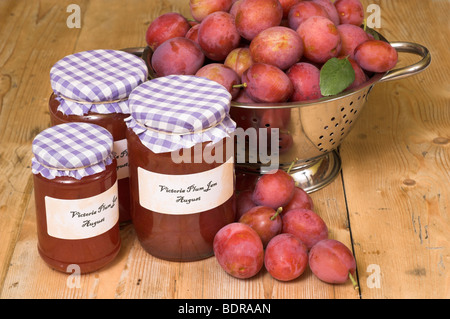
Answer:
(93, 87)
(181, 159)
(76, 196)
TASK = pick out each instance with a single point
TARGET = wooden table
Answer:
(390, 203)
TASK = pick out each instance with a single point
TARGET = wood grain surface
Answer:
(390, 204)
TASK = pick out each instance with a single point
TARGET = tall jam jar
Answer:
(93, 86)
(180, 145)
(76, 197)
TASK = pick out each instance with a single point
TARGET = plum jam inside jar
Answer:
(93, 87)
(181, 160)
(76, 197)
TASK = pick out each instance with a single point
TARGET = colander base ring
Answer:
(318, 173)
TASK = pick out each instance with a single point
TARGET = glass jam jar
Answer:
(76, 197)
(181, 160)
(93, 87)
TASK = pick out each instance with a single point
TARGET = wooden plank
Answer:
(136, 274)
(396, 167)
(116, 25)
(133, 275)
(29, 33)
(15, 192)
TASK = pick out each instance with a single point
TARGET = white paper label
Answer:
(186, 194)
(82, 218)
(120, 148)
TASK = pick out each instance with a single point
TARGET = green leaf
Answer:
(373, 33)
(335, 76)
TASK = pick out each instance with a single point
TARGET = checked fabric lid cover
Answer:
(179, 111)
(72, 149)
(98, 81)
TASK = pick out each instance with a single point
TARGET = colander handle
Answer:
(415, 68)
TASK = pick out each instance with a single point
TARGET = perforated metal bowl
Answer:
(315, 129)
(311, 131)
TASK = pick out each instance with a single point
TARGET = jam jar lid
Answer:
(72, 149)
(98, 81)
(179, 111)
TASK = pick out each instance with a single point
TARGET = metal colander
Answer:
(310, 132)
(311, 136)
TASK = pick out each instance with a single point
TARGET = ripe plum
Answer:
(286, 257)
(350, 11)
(244, 98)
(223, 75)
(332, 262)
(239, 250)
(360, 75)
(177, 56)
(321, 39)
(254, 16)
(200, 9)
(217, 35)
(239, 60)
(351, 37)
(192, 34)
(376, 56)
(244, 203)
(274, 189)
(308, 226)
(278, 46)
(166, 26)
(265, 221)
(329, 7)
(301, 199)
(305, 78)
(267, 83)
(287, 5)
(304, 10)
(234, 8)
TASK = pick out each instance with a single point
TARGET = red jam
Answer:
(175, 237)
(115, 124)
(89, 254)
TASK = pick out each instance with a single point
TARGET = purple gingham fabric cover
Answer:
(72, 149)
(96, 76)
(190, 109)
